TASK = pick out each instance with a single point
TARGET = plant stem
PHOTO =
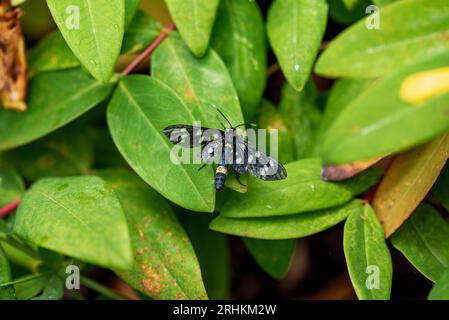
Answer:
(149, 50)
(18, 245)
(24, 279)
(9, 208)
(98, 287)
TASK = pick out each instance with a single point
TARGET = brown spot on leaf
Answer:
(13, 66)
(151, 280)
(189, 95)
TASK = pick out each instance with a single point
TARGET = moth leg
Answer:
(202, 167)
(237, 176)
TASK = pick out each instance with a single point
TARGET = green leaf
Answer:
(138, 112)
(54, 99)
(51, 53)
(194, 20)
(79, 217)
(28, 289)
(239, 39)
(408, 180)
(11, 186)
(165, 265)
(285, 227)
(6, 293)
(424, 241)
(142, 31)
(343, 92)
(274, 256)
(367, 255)
(414, 29)
(212, 250)
(93, 29)
(440, 291)
(131, 9)
(202, 84)
(302, 191)
(441, 187)
(295, 30)
(66, 152)
(270, 118)
(383, 2)
(380, 119)
(302, 116)
(53, 290)
(343, 14)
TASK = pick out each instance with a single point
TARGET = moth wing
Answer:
(262, 166)
(188, 136)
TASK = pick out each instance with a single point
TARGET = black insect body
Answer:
(226, 148)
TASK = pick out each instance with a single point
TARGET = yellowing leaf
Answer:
(422, 86)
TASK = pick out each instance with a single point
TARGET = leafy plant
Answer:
(86, 178)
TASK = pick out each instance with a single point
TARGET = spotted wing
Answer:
(256, 162)
(211, 152)
(188, 136)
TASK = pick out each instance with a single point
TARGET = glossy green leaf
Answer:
(94, 30)
(239, 39)
(295, 30)
(53, 290)
(51, 53)
(11, 186)
(424, 241)
(380, 119)
(65, 152)
(367, 255)
(202, 84)
(142, 31)
(6, 293)
(302, 116)
(194, 20)
(360, 52)
(138, 112)
(165, 265)
(302, 191)
(440, 291)
(285, 227)
(213, 252)
(441, 187)
(79, 217)
(270, 118)
(408, 180)
(54, 99)
(274, 256)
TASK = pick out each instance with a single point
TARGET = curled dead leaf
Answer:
(346, 171)
(13, 65)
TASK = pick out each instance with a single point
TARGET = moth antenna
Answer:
(222, 114)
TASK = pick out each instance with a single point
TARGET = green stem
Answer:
(18, 245)
(24, 279)
(98, 287)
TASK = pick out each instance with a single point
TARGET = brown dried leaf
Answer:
(346, 171)
(407, 181)
(13, 66)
